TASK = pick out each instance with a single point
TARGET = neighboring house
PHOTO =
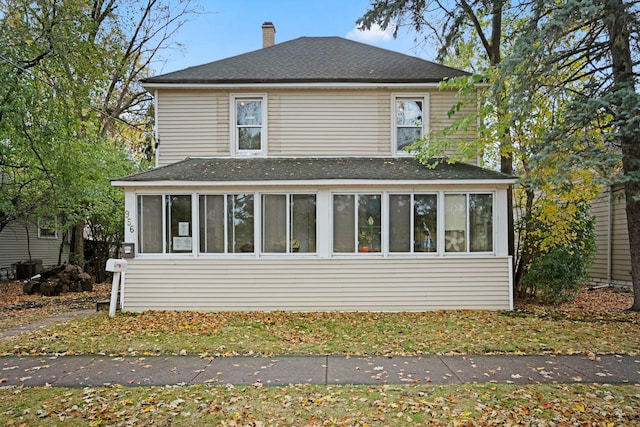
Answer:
(16, 242)
(282, 184)
(612, 264)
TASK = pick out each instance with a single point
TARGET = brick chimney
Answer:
(268, 34)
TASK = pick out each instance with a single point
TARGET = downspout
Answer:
(610, 237)
(155, 124)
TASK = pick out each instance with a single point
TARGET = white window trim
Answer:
(225, 198)
(259, 226)
(440, 233)
(425, 119)
(235, 150)
(441, 228)
(194, 227)
(324, 219)
(46, 237)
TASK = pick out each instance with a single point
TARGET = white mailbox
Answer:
(118, 268)
(116, 265)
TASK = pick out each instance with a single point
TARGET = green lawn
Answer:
(280, 333)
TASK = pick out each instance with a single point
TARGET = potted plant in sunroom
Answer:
(365, 238)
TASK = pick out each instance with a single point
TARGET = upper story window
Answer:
(410, 120)
(249, 124)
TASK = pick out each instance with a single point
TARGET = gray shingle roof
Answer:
(297, 169)
(314, 60)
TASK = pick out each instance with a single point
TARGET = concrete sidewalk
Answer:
(81, 371)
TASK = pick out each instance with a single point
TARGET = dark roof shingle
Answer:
(314, 60)
(309, 169)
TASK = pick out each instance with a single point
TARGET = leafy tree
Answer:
(515, 125)
(72, 111)
(598, 43)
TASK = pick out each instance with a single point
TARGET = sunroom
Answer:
(307, 222)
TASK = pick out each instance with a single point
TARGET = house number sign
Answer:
(129, 221)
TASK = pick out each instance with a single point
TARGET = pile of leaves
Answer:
(607, 299)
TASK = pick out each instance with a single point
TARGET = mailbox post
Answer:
(118, 267)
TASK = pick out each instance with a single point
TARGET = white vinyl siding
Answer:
(612, 264)
(329, 123)
(302, 284)
(192, 123)
(13, 246)
(305, 123)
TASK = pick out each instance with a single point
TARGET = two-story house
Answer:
(283, 184)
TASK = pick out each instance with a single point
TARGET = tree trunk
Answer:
(61, 248)
(525, 253)
(76, 255)
(626, 111)
(26, 227)
(506, 166)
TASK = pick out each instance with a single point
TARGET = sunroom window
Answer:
(413, 222)
(468, 222)
(164, 224)
(226, 223)
(481, 222)
(288, 223)
(150, 224)
(357, 223)
(179, 228)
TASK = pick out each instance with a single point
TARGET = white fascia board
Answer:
(251, 86)
(498, 183)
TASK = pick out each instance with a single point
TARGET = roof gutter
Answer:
(316, 183)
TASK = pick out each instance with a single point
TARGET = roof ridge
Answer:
(314, 59)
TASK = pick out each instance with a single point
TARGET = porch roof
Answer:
(312, 169)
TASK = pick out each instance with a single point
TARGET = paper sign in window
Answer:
(182, 243)
(183, 229)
